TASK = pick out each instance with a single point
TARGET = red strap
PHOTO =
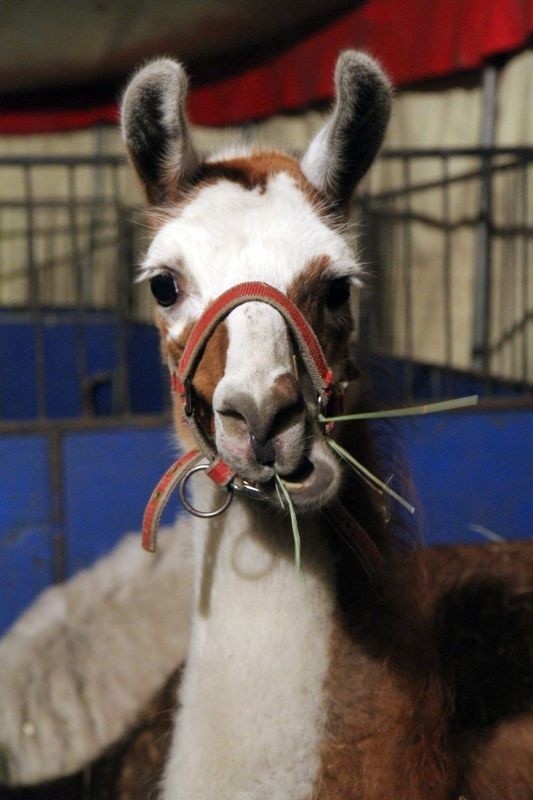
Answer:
(354, 534)
(220, 472)
(160, 496)
(311, 351)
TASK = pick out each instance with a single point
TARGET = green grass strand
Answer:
(294, 523)
(409, 411)
(344, 454)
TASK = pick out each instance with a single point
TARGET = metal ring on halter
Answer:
(240, 486)
(190, 508)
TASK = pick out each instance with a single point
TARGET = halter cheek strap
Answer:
(181, 376)
(221, 473)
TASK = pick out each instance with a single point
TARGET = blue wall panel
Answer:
(26, 535)
(473, 472)
(64, 339)
(146, 370)
(18, 398)
(63, 394)
(109, 476)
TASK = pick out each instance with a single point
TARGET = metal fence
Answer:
(68, 232)
(70, 239)
(446, 236)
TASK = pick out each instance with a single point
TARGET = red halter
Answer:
(310, 351)
(218, 470)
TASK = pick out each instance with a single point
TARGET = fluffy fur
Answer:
(80, 664)
(252, 703)
(333, 684)
(330, 685)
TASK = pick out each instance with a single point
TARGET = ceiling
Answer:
(60, 43)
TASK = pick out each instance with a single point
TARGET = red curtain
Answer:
(415, 40)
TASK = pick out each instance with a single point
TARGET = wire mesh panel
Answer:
(70, 240)
(446, 238)
(444, 235)
(68, 232)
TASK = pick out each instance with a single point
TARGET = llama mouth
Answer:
(314, 482)
(296, 480)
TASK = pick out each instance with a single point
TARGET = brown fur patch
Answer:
(385, 733)
(208, 373)
(332, 329)
(388, 708)
(251, 172)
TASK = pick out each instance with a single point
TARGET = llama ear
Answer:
(343, 150)
(155, 130)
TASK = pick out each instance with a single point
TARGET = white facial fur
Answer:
(228, 234)
(252, 706)
(225, 235)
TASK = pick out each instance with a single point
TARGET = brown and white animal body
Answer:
(327, 684)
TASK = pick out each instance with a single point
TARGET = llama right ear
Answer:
(343, 150)
(155, 130)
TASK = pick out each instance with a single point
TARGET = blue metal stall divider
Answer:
(68, 494)
(82, 396)
(67, 392)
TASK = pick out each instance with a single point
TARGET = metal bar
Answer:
(60, 161)
(33, 292)
(499, 230)
(95, 208)
(512, 277)
(523, 151)
(1, 273)
(447, 267)
(487, 149)
(54, 202)
(85, 423)
(524, 194)
(123, 304)
(509, 334)
(499, 320)
(57, 230)
(47, 264)
(408, 280)
(81, 344)
(482, 284)
(460, 177)
(59, 543)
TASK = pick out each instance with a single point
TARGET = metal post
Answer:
(121, 395)
(482, 278)
(34, 295)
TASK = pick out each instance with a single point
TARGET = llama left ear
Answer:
(155, 129)
(343, 150)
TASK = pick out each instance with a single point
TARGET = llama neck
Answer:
(253, 708)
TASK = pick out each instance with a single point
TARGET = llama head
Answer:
(251, 215)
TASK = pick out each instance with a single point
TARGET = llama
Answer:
(325, 682)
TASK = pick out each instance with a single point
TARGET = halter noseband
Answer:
(221, 473)
(308, 345)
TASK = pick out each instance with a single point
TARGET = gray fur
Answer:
(78, 666)
(155, 129)
(343, 150)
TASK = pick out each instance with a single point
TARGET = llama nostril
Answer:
(264, 452)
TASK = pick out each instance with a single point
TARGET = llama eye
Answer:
(337, 293)
(164, 289)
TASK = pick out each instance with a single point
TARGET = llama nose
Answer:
(281, 408)
(264, 452)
